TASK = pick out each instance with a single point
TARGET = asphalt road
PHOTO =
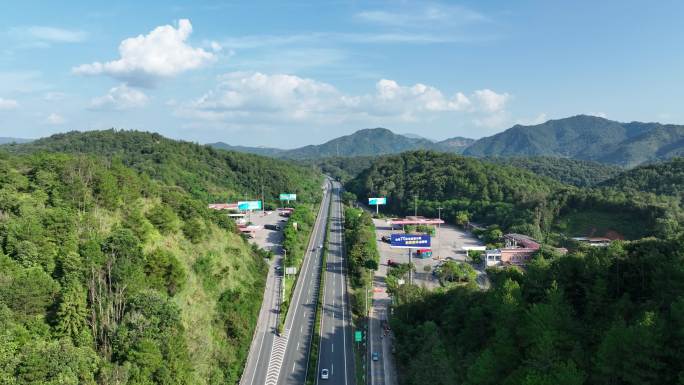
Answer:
(270, 356)
(335, 352)
(300, 318)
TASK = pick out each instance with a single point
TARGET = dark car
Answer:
(376, 356)
(272, 227)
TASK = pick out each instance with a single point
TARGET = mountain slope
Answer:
(366, 142)
(514, 199)
(587, 138)
(580, 173)
(207, 173)
(108, 275)
(661, 178)
(264, 151)
(371, 141)
(6, 140)
(456, 144)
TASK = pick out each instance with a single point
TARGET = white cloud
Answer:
(257, 98)
(56, 35)
(120, 97)
(8, 104)
(55, 119)
(496, 120)
(491, 101)
(422, 15)
(38, 36)
(145, 59)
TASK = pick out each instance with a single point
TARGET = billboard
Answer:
(249, 205)
(414, 241)
(377, 201)
(288, 197)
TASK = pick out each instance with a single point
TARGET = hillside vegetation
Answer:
(588, 138)
(601, 316)
(580, 173)
(365, 142)
(661, 178)
(206, 173)
(108, 276)
(514, 199)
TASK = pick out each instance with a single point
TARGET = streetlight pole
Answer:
(439, 219)
(415, 205)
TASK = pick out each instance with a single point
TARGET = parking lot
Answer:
(265, 238)
(448, 243)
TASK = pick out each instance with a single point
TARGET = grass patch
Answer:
(601, 223)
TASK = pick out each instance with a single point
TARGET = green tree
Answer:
(72, 311)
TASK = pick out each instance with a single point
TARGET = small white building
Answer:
(493, 257)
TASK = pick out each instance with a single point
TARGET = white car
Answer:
(324, 374)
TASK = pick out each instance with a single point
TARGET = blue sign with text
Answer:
(377, 201)
(406, 241)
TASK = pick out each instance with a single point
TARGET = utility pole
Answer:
(263, 203)
(439, 218)
(415, 205)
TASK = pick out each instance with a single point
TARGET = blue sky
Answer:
(287, 74)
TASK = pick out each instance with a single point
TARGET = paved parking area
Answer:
(447, 243)
(264, 238)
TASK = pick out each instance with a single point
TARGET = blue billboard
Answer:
(377, 201)
(249, 205)
(414, 241)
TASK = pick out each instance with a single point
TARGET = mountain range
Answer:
(366, 142)
(6, 140)
(580, 137)
(586, 138)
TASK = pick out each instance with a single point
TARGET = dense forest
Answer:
(586, 137)
(599, 316)
(665, 178)
(206, 173)
(512, 198)
(113, 269)
(580, 173)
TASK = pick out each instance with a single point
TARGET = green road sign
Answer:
(288, 197)
(358, 336)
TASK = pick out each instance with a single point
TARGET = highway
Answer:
(274, 359)
(335, 353)
(300, 318)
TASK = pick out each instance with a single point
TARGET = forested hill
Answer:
(580, 173)
(610, 315)
(108, 276)
(372, 141)
(660, 178)
(366, 142)
(265, 151)
(512, 198)
(207, 173)
(4, 140)
(588, 138)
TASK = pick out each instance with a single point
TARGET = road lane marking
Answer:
(332, 347)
